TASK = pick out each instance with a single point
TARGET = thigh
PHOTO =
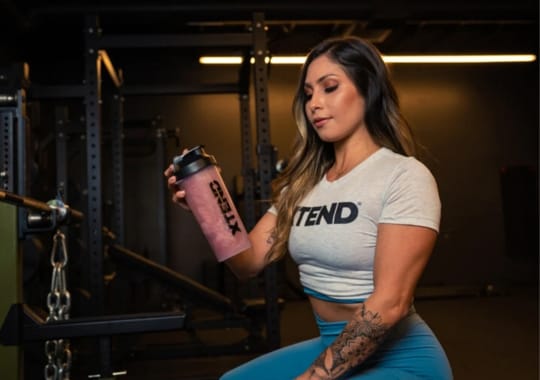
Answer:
(284, 363)
(411, 352)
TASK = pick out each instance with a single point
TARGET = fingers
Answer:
(178, 194)
(169, 171)
(179, 197)
(171, 181)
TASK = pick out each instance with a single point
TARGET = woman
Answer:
(360, 217)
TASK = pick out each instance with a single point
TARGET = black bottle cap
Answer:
(191, 162)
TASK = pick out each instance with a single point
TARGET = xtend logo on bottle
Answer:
(224, 206)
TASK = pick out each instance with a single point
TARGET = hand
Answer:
(178, 195)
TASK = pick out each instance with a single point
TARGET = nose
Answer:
(314, 103)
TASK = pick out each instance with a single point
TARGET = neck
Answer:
(347, 158)
(351, 154)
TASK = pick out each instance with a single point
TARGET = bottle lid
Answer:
(191, 162)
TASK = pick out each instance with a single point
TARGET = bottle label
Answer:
(225, 207)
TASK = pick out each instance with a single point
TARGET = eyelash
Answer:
(331, 89)
(326, 90)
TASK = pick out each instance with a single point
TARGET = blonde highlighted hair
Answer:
(312, 157)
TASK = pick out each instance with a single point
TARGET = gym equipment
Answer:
(248, 314)
(14, 81)
(22, 324)
(48, 215)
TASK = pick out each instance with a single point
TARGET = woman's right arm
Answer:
(248, 263)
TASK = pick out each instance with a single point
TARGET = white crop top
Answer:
(335, 228)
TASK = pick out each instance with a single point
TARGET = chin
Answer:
(328, 139)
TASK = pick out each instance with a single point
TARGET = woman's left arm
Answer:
(400, 258)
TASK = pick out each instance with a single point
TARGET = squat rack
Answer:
(255, 41)
(94, 58)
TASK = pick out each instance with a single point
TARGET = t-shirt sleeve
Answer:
(412, 197)
(272, 210)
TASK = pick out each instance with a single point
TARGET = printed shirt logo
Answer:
(225, 207)
(336, 213)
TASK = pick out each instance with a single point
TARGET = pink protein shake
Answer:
(211, 203)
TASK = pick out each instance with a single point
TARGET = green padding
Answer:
(10, 287)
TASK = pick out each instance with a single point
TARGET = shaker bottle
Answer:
(209, 200)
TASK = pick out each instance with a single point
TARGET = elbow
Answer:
(400, 309)
(393, 310)
(243, 268)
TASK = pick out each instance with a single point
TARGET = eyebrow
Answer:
(321, 79)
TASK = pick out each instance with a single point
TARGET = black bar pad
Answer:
(24, 325)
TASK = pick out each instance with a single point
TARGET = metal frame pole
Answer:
(7, 167)
(265, 152)
(94, 220)
(118, 223)
(92, 100)
(248, 173)
(61, 120)
(250, 215)
(22, 133)
(161, 162)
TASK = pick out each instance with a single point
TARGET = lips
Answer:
(320, 121)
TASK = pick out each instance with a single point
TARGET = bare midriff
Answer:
(332, 311)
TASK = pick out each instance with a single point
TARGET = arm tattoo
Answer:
(357, 341)
(272, 237)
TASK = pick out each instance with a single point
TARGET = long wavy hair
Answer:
(312, 157)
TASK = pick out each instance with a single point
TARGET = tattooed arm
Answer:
(401, 255)
(358, 340)
(252, 261)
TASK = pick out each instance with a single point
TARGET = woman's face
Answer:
(334, 107)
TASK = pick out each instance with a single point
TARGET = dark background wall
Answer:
(473, 120)
(477, 122)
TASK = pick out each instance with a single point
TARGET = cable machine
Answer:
(21, 323)
(255, 43)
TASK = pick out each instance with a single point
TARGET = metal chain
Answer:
(58, 351)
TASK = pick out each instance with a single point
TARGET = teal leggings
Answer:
(410, 352)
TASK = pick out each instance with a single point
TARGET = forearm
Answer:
(251, 262)
(358, 340)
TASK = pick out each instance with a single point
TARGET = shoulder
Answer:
(408, 179)
(411, 194)
(405, 166)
